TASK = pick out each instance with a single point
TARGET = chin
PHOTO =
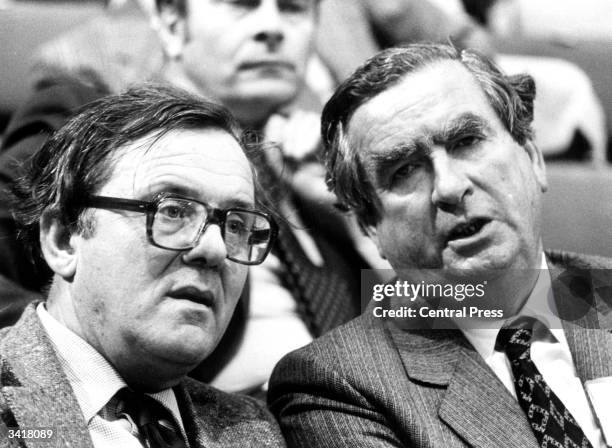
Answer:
(480, 263)
(187, 356)
(274, 92)
(187, 348)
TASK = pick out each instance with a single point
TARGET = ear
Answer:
(537, 164)
(372, 233)
(525, 87)
(57, 246)
(171, 28)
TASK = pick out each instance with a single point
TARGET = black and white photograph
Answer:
(306, 223)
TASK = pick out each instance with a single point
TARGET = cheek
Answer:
(397, 231)
(207, 52)
(197, 59)
(405, 235)
(127, 263)
(234, 278)
(513, 184)
(300, 42)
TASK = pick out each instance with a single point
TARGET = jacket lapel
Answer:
(476, 405)
(585, 321)
(194, 420)
(479, 408)
(35, 388)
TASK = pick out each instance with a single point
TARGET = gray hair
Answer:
(510, 96)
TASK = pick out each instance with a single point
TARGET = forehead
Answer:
(206, 164)
(419, 106)
(193, 5)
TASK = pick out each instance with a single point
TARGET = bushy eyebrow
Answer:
(465, 124)
(381, 163)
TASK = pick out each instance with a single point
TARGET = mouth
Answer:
(193, 294)
(467, 229)
(267, 64)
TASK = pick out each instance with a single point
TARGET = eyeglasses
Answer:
(176, 222)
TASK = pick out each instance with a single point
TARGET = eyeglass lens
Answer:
(178, 222)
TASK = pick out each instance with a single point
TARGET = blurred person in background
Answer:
(380, 24)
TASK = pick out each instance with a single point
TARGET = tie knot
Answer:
(140, 407)
(156, 425)
(516, 342)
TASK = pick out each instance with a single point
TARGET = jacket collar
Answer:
(586, 319)
(35, 387)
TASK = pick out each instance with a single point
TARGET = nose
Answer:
(269, 25)
(451, 185)
(209, 250)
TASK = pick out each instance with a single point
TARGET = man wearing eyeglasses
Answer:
(144, 207)
(251, 56)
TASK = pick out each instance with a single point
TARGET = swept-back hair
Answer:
(510, 96)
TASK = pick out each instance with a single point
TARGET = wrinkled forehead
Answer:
(206, 164)
(421, 105)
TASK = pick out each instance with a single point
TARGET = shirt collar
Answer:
(93, 379)
(540, 305)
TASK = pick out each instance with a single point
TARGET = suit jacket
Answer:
(36, 393)
(370, 384)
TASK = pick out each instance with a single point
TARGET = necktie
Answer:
(321, 294)
(156, 426)
(323, 297)
(552, 424)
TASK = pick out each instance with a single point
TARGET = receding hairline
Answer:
(156, 141)
(430, 65)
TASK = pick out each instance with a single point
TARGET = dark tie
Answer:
(323, 297)
(552, 424)
(156, 426)
(321, 294)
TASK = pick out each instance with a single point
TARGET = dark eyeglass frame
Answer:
(214, 216)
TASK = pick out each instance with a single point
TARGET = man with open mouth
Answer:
(432, 149)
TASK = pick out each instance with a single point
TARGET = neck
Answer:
(510, 292)
(61, 307)
(511, 288)
(150, 380)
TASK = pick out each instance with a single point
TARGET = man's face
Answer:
(145, 308)
(457, 191)
(248, 50)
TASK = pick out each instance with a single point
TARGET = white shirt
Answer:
(94, 382)
(549, 352)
